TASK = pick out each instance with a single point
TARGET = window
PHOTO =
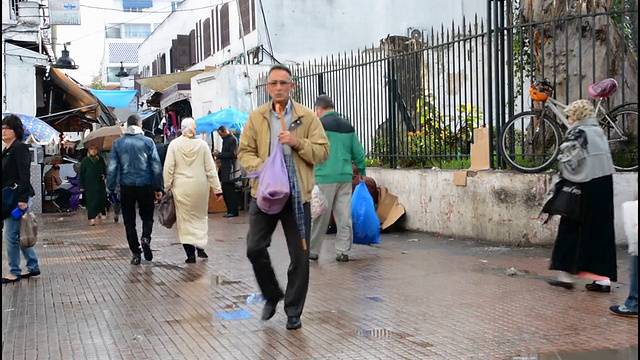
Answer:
(136, 6)
(111, 74)
(192, 47)
(206, 37)
(224, 26)
(245, 15)
(113, 31)
(175, 4)
(137, 31)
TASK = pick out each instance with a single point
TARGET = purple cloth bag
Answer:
(273, 182)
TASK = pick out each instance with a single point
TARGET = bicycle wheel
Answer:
(530, 142)
(621, 129)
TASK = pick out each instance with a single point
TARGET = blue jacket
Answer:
(134, 159)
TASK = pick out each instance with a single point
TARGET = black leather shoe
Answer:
(313, 256)
(230, 215)
(146, 248)
(30, 274)
(202, 254)
(135, 260)
(598, 288)
(342, 258)
(190, 260)
(9, 281)
(293, 323)
(562, 284)
(269, 310)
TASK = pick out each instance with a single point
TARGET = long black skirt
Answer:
(589, 246)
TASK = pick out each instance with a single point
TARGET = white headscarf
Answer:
(188, 127)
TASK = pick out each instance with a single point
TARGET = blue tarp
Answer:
(231, 118)
(115, 98)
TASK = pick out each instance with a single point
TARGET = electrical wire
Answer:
(155, 11)
(266, 28)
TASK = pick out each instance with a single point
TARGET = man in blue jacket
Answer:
(134, 160)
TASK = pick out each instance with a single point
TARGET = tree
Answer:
(97, 83)
(581, 49)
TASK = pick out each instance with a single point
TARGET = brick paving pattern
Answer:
(416, 296)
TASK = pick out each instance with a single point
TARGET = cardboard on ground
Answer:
(389, 211)
(479, 156)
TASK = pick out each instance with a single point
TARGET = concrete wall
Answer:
(496, 206)
(19, 82)
(307, 29)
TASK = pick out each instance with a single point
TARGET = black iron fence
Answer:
(415, 100)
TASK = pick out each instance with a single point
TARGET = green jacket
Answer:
(344, 148)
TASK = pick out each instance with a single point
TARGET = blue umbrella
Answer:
(36, 130)
(229, 117)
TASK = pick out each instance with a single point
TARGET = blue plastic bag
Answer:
(366, 226)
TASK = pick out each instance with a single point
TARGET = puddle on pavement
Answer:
(169, 266)
(52, 242)
(99, 247)
(220, 280)
(627, 353)
(386, 334)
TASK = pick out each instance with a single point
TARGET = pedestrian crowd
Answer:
(319, 148)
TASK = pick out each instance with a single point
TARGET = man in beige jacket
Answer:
(304, 145)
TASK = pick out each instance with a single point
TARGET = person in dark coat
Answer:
(229, 171)
(93, 172)
(16, 168)
(160, 145)
(587, 248)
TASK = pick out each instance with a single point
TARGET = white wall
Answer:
(88, 48)
(496, 206)
(306, 29)
(224, 87)
(20, 79)
(182, 22)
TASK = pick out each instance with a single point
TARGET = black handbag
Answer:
(567, 200)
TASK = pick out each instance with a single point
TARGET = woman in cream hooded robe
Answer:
(189, 172)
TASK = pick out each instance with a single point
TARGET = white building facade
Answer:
(108, 36)
(208, 33)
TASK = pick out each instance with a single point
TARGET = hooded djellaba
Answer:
(587, 248)
(189, 172)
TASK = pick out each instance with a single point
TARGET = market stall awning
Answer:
(115, 98)
(174, 94)
(78, 101)
(163, 82)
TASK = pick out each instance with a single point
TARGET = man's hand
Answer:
(218, 196)
(22, 205)
(287, 138)
(216, 153)
(158, 195)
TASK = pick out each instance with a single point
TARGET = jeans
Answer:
(12, 242)
(632, 300)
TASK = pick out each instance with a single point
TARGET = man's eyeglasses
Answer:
(279, 82)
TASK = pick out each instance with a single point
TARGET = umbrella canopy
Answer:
(103, 138)
(36, 130)
(229, 117)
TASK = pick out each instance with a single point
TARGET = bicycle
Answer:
(535, 145)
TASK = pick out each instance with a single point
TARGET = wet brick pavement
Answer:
(416, 296)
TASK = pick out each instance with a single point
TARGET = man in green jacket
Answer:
(333, 177)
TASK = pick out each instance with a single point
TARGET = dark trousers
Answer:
(144, 197)
(63, 197)
(261, 228)
(229, 196)
(190, 250)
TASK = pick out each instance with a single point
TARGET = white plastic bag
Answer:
(319, 202)
(630, 216)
